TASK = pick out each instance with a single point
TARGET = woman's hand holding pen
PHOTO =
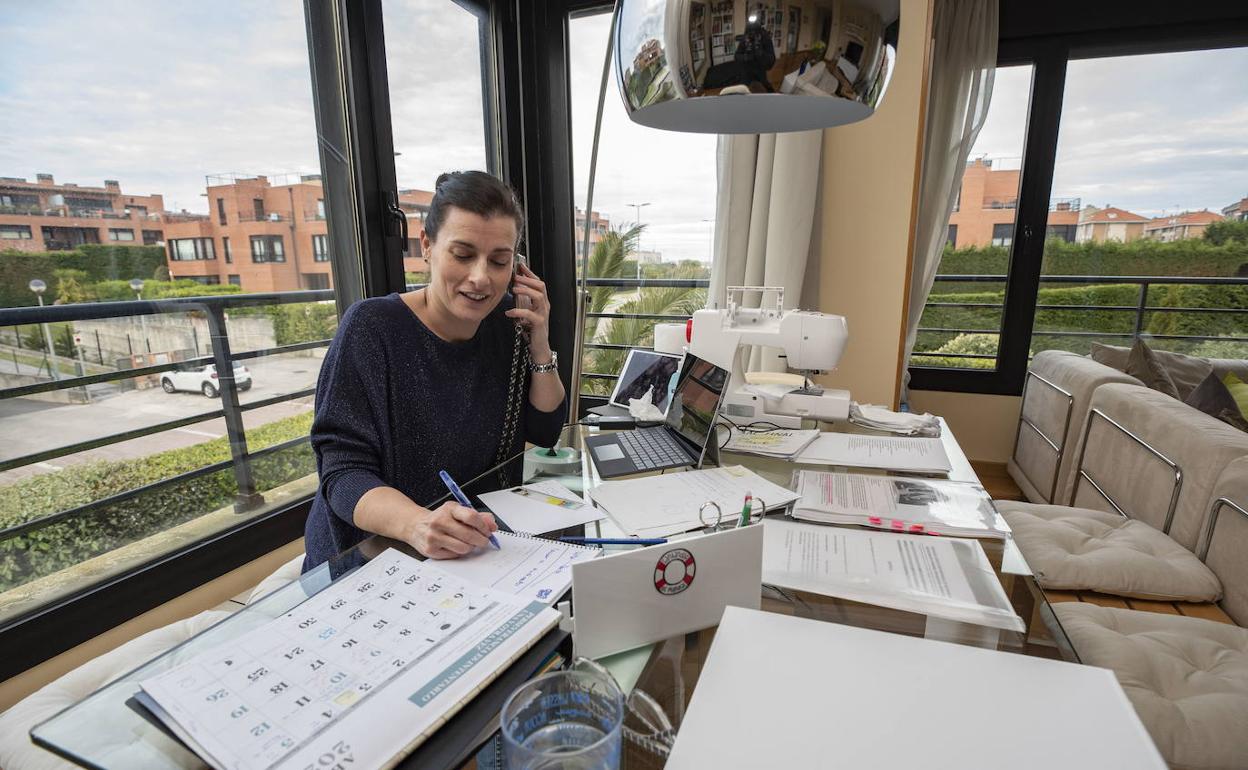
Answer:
(451, 530)
(536, 318)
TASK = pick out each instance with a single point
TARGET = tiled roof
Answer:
(1111, 214)
(1186, 218)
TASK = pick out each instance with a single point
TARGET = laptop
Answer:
(646, 370)
(686, 437)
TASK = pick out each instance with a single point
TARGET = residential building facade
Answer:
(1237, 210)
(987, 204)
(598, 227)
(1109, 224)
(1189, 224)
(46, 216)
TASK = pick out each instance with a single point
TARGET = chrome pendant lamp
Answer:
(753, 66)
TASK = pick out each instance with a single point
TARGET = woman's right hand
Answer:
(451, 530)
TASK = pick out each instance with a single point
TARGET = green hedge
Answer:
(120, 291)
(48, 550)
(98, 262)
(1192, 257)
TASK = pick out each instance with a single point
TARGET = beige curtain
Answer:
(964, 56)
(764, 215)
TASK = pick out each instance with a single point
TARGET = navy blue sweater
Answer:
(395, 404)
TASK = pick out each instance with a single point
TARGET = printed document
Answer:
(658, 506)
(910, 454)
(911, 505)
(770, 443)
(531, 567)
(943, 577)
(543, 506)
(354, 676)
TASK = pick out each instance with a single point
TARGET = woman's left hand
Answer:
(536, 318)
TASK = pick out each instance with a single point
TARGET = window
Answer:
(320, 208)
(207, 280)
(191, 249)
(257, 207)
(225, 249)
(320, 249)
(951, 239)
(267, 248)
(316, 280)
(221, 211)
(120, 234)
(234, 279)
(657, 207)
(15, 232)
(1121, 184)
(152, 237)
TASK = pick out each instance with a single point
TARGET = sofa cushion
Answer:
(1079, 549)
(1213, 398)
(1186, 677)
(1186, 372)
(1143, 364)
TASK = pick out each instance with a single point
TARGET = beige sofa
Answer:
(1057, 402)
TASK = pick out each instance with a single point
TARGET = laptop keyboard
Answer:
(651, 448)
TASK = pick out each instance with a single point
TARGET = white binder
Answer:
(647, 595)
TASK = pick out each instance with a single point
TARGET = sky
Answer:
(159, 94)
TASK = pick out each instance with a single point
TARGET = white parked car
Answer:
(203, 379)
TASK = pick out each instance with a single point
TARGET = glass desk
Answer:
(104, 731)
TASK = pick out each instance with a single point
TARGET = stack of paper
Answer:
(779, 691)
(543, 506)
(938, 576)
(913, 505)
(906, 454)
(770, 443)
(658, 506)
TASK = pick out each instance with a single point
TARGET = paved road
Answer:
(28, 425)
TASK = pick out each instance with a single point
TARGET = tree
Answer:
(1227, 230)
(609, 259)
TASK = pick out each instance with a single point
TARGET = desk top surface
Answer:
(102, 731)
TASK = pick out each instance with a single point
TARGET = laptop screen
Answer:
(646, 370)
(696, 401)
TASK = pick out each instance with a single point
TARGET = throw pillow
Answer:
(1143, 365)
(1238, 390)
(1112, 356)
(1213, 398)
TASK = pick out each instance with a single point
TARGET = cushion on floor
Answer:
(1186, 677)
(1078, 549)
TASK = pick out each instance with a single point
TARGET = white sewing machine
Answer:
(812, 343)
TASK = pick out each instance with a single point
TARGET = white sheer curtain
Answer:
(764, 214)
(964, 57)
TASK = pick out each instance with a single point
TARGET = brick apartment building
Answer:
(988, 201)
(268, 234)
(1237, 210)
(598, 227)
(46, 216)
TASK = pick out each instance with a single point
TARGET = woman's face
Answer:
(470, 263)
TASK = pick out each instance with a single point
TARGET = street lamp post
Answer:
(136, 285)
(39, 287)
(637, 207)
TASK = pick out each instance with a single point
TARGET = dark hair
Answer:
(476, 191)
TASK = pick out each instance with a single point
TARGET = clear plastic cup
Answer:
(566, 720)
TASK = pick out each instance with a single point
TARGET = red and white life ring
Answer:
(674, 572)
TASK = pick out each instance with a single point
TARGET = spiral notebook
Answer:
(524, 565)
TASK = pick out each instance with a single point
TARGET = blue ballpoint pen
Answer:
(462, 499)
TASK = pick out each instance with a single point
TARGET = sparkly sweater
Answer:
(395, 404)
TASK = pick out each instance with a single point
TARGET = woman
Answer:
(449, 377)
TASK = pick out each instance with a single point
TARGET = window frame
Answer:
(269, 254)
(356, 153)
(1163, 29)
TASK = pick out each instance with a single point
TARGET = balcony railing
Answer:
(632, 283)
(214, 309)
(268, 216)
(1138, 311)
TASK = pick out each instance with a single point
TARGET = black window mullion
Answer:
(1035, 187)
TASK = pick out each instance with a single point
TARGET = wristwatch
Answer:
(550, 367)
